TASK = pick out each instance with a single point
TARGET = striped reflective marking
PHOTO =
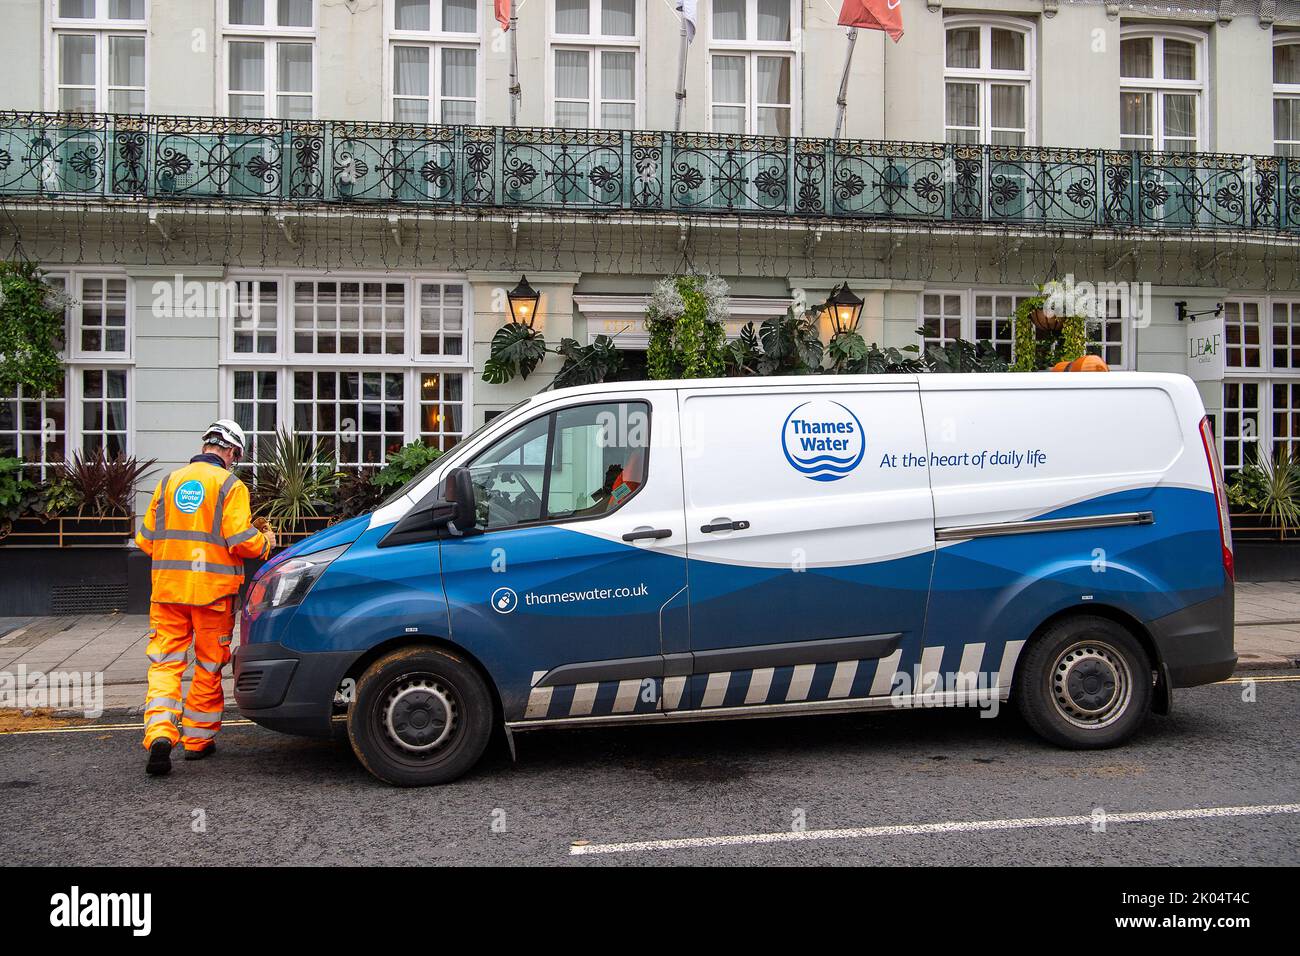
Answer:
(625, 699)
(842, 682)
(800, 681)
(715, 691)
(584, 698)
(539, 698)
(161, 717)
(241, 537)
(1008, 668)
(931, 660)
(883, 681)
(167, 658)
(171, 702)
(759, 685)
(202, 733)
(226, 485)
(212, 667)
(972, 656)
(204, 715)
(673, 689)
(206, 567)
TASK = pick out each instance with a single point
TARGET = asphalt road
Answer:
(82, 798)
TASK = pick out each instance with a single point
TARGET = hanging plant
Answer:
(31, 330)
(684, 318)
(1041, 344)
(517, 349)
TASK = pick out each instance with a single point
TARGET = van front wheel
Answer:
(1085, 683)
(422, 716)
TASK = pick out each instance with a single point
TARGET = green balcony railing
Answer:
(63, 156)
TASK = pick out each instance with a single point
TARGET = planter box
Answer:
(70, 531)
(1266, 560)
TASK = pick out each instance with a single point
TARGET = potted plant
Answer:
(294, 486)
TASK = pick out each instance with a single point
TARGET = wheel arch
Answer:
(372, 654)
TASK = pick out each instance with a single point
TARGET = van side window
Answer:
(579, 462)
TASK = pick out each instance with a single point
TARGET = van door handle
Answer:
(725, 526)
(655, 533)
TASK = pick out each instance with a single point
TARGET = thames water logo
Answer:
(823, 440)
(189, 496)
(504, 600)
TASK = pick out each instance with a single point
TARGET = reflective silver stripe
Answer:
(241, 537)
(159, 718)
(205, 536)
(210, 667)
(206, 715)
(160, 510)
(167, 658)
(200, 732)
(171, 702)
(205, 566)
(960, 532)
(147, 533)
(221, 504)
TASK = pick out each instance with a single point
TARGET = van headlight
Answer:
(288, 582)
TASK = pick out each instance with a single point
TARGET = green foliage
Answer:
(404, 464)
(60, 496)
(687, 338)
(791, 345)
(517, 350)
(1035, 349)
(587, 364)
(294, 480)
(962, 356)
(850, 355)
(31, 330)
(96, 485)
(18, 493)
(1270, 487)
(357, 493)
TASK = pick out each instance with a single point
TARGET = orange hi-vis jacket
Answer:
(198, 531)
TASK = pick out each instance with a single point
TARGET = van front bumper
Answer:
(287, 690)
(1196, 643)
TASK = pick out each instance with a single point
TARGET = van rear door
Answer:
(810, 539)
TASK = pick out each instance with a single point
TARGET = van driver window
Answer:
(584, 461)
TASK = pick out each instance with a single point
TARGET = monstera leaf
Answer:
(517, 349)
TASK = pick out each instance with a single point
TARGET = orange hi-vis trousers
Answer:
(174, 626)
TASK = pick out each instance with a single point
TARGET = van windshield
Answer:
(428, 469)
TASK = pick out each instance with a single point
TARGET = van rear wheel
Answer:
(1085, 683)
(422, 716)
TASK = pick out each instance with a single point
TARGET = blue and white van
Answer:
(702, 550)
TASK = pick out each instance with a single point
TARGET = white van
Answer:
(702, 550)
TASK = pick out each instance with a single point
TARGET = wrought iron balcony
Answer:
(172, 159)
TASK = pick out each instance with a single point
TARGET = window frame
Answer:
(72, 342)
(1265, 377)
(595, 45)
(1286, 91)
(268, 30)
(967, 317)
(1156, 86)
(985, 77)
(43, 463)
(751, 49)
(270, 38)
(100, 27)
(435, 40)
(552, 413)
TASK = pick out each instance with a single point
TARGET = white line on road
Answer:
(921, 829)
(91, 728)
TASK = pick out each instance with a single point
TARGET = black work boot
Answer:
(207, 751)
(160, 758)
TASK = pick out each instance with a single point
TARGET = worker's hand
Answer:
(270, 538)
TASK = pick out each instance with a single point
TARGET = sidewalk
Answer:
(1268, 636)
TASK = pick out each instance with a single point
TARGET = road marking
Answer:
(921, 829)
(1266, 679)
(85, 729)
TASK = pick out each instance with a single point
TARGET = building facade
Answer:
(306, 213)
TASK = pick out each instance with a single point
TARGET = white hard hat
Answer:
(225, 431)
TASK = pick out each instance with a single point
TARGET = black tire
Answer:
(1085, 683)
(422, 716)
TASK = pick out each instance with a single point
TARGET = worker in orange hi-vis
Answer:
(198, 530)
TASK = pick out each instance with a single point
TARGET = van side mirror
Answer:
(449, 510)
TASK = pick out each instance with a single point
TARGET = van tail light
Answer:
(1220, 495)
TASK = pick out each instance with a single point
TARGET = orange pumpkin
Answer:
(1086, 363)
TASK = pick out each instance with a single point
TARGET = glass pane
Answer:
(729, 79)
(125, 61)
(458, 112)
(295, 13)
(962, 104)
(1008, 50)
(1286, 119)
(598, 459)
(458, 73)
(1180, 60)
(964, 48)
(77, 59)
(294, 107)
(411, 111)
(1135, 114)
(1286, 63)
(126, 9)
(1008, 106)
(1136, 58)
(728, 119)
(411, 71)
(772, 81)
(572, 16)
(247, 67)
(571, 77)
(458, 16)
(773, 121)
(411, 15)
(248, 12)
(728, 19)
(616, 116)
(246, 106)
(774, 20)
(294, 73)
(617, 75)
(508, 477)
(77, 101)
(1180, 114)
(77, 9)
(618, 18)
(126, 101)
(571, 115)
